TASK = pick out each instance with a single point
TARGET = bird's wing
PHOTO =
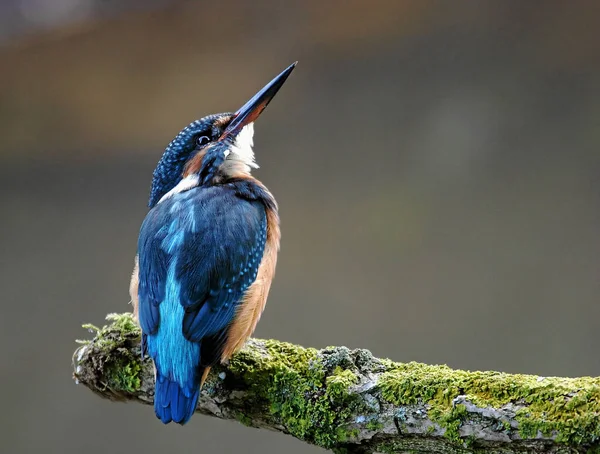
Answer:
(206, 244)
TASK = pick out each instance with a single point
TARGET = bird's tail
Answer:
(174, 403)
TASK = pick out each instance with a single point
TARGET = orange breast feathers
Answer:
(255, 298)
(133, 289)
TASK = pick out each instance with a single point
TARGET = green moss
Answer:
(124, 374)
(121, 326)
(339, 383)
(374, 425)
(244, 419)
(124, 323)
(292, 383)
(122, 370)
(310, 392)
(569, 408)
(343, 434)
(451, 420)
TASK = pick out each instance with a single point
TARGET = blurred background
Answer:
(437, 166)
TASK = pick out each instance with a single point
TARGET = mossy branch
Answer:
(350, 402)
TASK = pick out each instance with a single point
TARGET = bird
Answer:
(206, 253)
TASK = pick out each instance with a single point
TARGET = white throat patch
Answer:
(240, 158)
(186, 184)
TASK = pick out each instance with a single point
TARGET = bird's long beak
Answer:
(253, 108)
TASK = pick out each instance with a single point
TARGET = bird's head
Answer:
(215, 146)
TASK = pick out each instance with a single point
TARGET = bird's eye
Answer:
(202, 140)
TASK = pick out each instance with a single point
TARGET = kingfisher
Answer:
(206, 253)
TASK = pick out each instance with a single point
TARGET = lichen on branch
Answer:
(348, 401)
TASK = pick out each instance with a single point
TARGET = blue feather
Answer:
(199, 251)
(172, 403)
(219, 307)
(175, 357)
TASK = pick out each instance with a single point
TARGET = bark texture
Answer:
(350, 402)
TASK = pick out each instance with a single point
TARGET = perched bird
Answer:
(206, 253)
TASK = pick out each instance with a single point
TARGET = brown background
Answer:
(436, 163)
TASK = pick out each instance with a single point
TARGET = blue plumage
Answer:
(199, 251)
(172, 402)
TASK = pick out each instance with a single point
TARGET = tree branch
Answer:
(348, 401)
